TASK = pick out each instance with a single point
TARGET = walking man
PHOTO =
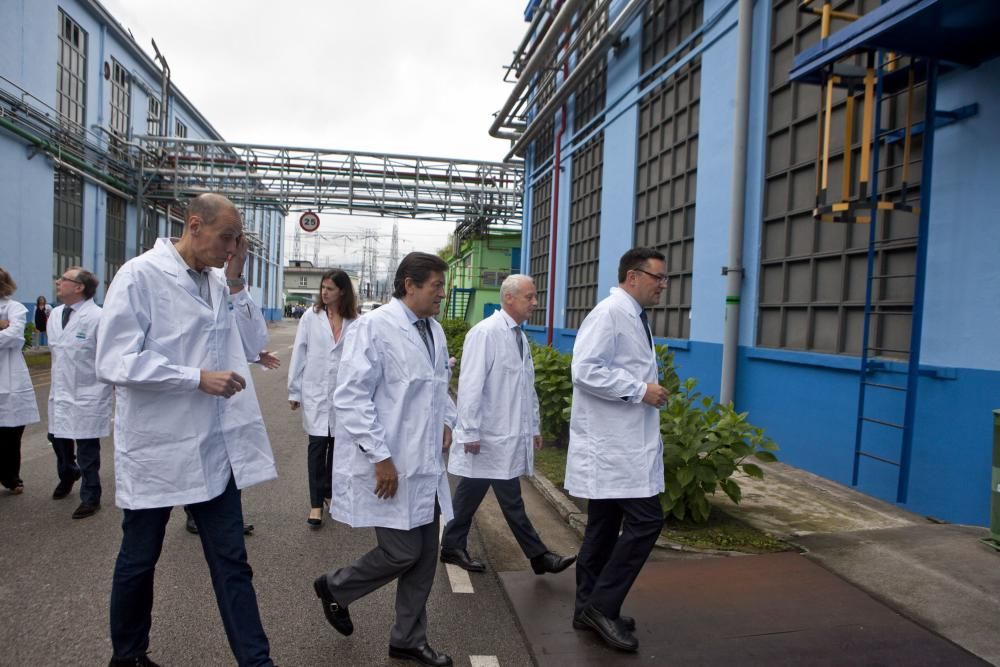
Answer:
(615, 456)
(393, 418)
(498, 429)
(176, 335)
(79, 404)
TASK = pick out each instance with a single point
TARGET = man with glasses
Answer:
(615, 456)
(79, 405)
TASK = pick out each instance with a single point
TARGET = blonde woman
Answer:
(312, 377)
(17, 397)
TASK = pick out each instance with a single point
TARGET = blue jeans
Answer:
(220, 527)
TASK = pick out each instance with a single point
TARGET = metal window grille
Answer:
(813, 274)
(667, 158)
(67, 237)
(114, 238)
(71, 74)
(120, 104)
(152, 116)
(541, 217)
(180, 129)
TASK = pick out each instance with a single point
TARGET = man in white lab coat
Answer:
(615, 456)
(176, 335)
(498, 429)
(393, 418)
(79, 404)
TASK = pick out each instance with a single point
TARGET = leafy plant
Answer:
(704, 444)
(454, 334)
(29, 335)
(554, 386)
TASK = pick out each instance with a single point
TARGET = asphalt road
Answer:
(57, 571)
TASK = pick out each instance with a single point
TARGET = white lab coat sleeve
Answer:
(297, 366)
(13, 336)
(477, 360)
(123, 357)
(592, 369)
(354, 399)
(536, 419)
(250, 323)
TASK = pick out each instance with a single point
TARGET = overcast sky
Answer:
(421, 77)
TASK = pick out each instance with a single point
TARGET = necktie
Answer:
(421, 326)
(645, 327)
(520, 343)
(67, 311)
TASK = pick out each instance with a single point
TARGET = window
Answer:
(813, 274)
(120, 104)
(541, 216)
(492, 278)
(303, 281)
(71, 74)
(180, 129)
(152, 116)
(114, 244)
(667, 156)
(67, 237)
(176, 228)
(148, 230)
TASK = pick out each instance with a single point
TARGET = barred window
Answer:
(114, 238)
(541, 216)
(667, 157)
(149, 229)
(71, 74)
(180, 129)
(67, 238)
(120, 104)
(152, 116)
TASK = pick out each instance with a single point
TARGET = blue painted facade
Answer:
(29, 55)
(808, 402)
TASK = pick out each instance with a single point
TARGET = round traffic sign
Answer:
(309, 221)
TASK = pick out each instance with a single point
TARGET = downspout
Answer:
(734, 270)
(554, 222)
(97, 269)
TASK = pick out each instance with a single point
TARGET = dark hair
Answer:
(347, 305)
(636, 258)
(417, 266)
(7, 284)
(38, 301)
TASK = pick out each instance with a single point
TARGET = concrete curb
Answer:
(577, 520)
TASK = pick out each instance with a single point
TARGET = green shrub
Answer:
(29, 335)
(454, 334)
(554, 386)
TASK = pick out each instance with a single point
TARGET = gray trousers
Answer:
(470, 494)
(407, 555)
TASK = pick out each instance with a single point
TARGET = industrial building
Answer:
(91, 131)
(820, 177)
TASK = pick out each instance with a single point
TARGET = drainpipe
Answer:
(164, 90)
(554, 223)
(98, 251)
(734, 270)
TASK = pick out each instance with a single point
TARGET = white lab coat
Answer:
(391, 401)
(17, 395)
(79, 404)
(312, 373)
(497, 403)
(615, 450)
(175, 444)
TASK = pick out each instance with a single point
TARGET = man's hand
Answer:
(294, 405)
(221, 383)
(446, 440)
(268, 360)
(235, 261)
(472, 447)
(537, 442)
(4, 324)
(655, 395)
(386, 479)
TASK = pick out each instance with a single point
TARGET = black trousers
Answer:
(470, 494)
(608, 563)
(320, 464)
(10, 456)
(76, 459)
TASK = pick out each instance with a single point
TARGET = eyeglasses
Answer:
(658, 277)
(69, 280)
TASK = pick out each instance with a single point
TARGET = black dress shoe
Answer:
(626, 622)
(423, 654)
(612, 632)
(551, 563)
(336, 615)
(63, 488)
(84, 510)
(190, 526)
(141, 661)
(461, 558)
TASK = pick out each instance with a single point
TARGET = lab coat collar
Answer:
(167, 258)
(508, 319)
(633, 307)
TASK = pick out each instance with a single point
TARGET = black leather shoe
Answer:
(461, 558)
(190, 526)
(423, 654)
(613, 634)
(626, 622)
(551, 563)
(85, 510)
(63, 488)
(336, 615)
(141, 661)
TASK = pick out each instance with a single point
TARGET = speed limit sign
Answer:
(309, 221)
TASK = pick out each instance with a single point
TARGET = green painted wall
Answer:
(473, 268)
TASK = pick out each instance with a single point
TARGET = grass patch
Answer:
(721, 532)
(41, 360)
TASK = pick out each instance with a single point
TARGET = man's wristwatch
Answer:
(236, 282)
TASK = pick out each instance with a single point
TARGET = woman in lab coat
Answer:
(313, 377)
(17, 396)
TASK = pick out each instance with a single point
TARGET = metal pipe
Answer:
(164, 89)
(581, 70)
(737, 204)
(536, 63)
(87, 177)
